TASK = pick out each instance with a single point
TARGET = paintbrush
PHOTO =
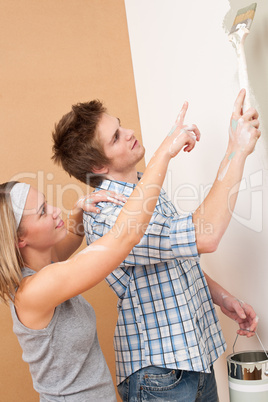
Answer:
(237, 36)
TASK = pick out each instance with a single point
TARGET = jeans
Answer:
(160, 384)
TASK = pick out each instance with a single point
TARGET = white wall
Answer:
(180, 51)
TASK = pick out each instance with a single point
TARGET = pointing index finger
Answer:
(181, 116)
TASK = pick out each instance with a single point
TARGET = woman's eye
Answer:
(44, 210)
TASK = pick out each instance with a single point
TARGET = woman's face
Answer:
(41, 224)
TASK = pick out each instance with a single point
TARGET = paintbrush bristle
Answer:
(244, 16)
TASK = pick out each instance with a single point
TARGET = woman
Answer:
(54, 324)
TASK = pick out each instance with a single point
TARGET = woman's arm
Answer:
(74, 222)
(39, 294)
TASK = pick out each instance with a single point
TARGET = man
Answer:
(168, 334)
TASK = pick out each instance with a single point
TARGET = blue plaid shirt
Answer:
(166, 314)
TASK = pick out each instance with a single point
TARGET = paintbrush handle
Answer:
(243, 75)
(238, 39)
(237, 36)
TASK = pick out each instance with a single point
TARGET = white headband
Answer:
(18, 196)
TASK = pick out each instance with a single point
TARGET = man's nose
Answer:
(129, 134)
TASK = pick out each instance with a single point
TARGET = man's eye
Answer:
(116, 137)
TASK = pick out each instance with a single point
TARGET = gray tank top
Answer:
(65, 358)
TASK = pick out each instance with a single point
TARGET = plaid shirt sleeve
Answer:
(166, 238)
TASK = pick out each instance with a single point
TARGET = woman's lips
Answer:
(60, 224)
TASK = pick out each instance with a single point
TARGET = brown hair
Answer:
(76, 147)
(11, 261)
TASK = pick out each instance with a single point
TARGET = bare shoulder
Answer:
(25, 305)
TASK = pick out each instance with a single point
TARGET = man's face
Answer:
(120, 146)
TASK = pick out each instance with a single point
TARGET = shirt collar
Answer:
(106, 183)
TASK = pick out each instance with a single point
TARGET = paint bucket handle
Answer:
(258, 340)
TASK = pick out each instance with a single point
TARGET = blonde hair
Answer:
(11, 260)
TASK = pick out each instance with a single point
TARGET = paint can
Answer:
(248, 375)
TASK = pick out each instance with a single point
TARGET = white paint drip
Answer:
(244, 137)
(92, 247)
(223, 172)
(241, 302)
(114, 200)
(173, 151)
(88, 201)
(179, 117)
(243, 133)
(189, 128)
(89, 249)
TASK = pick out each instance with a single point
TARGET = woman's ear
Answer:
(21, 243)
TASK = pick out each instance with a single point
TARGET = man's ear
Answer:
(100, 170)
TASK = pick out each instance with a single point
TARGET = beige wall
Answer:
(55, 53)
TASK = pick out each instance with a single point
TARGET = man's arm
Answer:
(234, 308)
(216, 210)
(169, 237)
(166, 229)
